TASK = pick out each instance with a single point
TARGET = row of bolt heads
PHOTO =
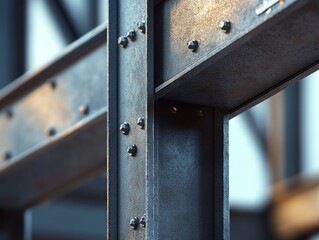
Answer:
(224, 25)
(125, 129)
(131, 34)
(135, 222)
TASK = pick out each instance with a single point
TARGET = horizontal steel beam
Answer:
(52, 125)
(262, 53)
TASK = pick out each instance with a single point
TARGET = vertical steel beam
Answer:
(178, 178)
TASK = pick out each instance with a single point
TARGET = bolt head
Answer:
(225, 25)
(131, 35)
(132, 150)
(143, 221)
(84, 110)
(122, 41)
(193, 45)
(134, 223)
(125, 128)
(51, 131)
(141, 26)
(7, 155)
(141, 122)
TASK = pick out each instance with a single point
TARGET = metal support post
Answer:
(167, 162)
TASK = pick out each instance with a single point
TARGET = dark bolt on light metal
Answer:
(132, 150)
(131, 35)
(143, 221)
(134, 223)
(193, 45)
(125, 128)
(84, 110)
(141, 122)
(122, 41)
(225, 25)
(51, 131)
(141, 26)
(7, 155)
(53, 83)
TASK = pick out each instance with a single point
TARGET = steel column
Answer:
(178, 179)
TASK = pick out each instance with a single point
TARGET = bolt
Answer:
(143, 221)
(53, 83)
(7, 155)
(173, 109)
(193, 45)
(122, 41)
(141, 122)
(84, 110)
(131, 35)
(141, 26)
(125, 128)
(134, 222)
(51, 131)
(201, 111)
(132, 150)
(225, 25)
(9, 113)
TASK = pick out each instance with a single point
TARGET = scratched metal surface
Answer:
(232, 70)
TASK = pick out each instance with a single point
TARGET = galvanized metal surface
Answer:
(260, 56)
(48, 135)
(130, 90)
(191, 172)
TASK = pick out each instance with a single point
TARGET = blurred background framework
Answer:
(274, 154)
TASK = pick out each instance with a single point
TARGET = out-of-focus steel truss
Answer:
(187, 68)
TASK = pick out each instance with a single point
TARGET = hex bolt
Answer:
(193, 45)
(143, 221)
(125, 128)
(134, 222)
(51, 131)
(7, 155)
(132, 150)
(122, 41)
(131, 35)
(84, 110)
(225, 25)
(141, 26)
(141, 122)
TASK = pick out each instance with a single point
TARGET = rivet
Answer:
(143, 221)
(141, 122)
(125, 128)
(193, 45)
(225, 25)
(201, 111)
(131, 35)
(7, 155)
(132, 150)
(134, 222)
(84, 110)
(141, 26)
(122, 41)
(51, 131)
